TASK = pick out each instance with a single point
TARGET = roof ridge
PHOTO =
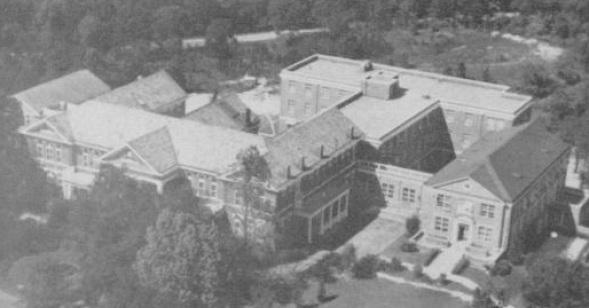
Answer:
(496, 180)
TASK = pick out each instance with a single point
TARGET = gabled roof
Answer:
(226, 111)
(151, 92)
(330, 129)
(187, 143)
(157, 149)
(73, 88)
(505, 162)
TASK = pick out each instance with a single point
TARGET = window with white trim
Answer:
(441, 224)
(58, 153)
(469, 120)
(308, 92)
(443, 201)
(214, 188)
(291, 87)
(40, 149)
(408, 194)
(388, 190)
(487, 210)
(308, 108)
(484, 233)
(237, 198)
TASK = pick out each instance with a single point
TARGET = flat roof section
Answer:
(377, 117)
(447, 89)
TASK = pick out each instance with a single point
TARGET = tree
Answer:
(482, 299)
(412, 225)
(108, 228)
(49, 285)
(182, 258)
(218, 36)
(461, 70)
(167, 23)
(288, 14)
(336, 15)
(557, 282)
(442, 8)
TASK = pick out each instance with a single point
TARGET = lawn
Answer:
(377, 293)
(394, 250)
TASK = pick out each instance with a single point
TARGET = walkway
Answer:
(457, 294)
(445, 262)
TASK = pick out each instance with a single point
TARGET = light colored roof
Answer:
(73, 88)
(477, 94)
(152, 92)
(505, 162)
(377, 117)
(195, 144)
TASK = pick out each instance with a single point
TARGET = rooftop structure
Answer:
(348, 74)
(73, 88)
(154, 137)
(153, 92)
(505, 162)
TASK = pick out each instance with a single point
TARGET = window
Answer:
(50, 150)
(200, 189)
(87, 157)
(326, 215)
(443, 201)
(290, 107)
(388, 190)
(343, 205)
(441, 224)
(308, 92)
(58, 153)
(291, 87)
(40, 149)
(308, 108)
(214, 189)
(324, 93)
(469, 120)
(487, 210)
(237, 197)
(466, 140)
(484, 233)
(335, 209)
(408, 194)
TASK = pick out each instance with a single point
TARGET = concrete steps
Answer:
(445, 262)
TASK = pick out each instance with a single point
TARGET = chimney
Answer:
(352, 133)
(366, 66)
(322, 152)
(248, 116)
(303, 165)
(381, 84)
(288, 172)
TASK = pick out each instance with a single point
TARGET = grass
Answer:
(377, 293)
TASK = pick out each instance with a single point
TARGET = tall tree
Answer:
(288, 14)
(181, 258)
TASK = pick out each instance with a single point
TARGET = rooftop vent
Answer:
(381, 84)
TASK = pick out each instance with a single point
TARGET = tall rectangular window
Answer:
(485, 233)
(40, 149)
(291, 87)
(388, 190)
(408, 194)
(58, 152)
(308, 108)
(441, 224)
(213, 188)
(290, 107)
(487, 210)
(308, 92)
(443, 201)
(50, 151)
(450, 116)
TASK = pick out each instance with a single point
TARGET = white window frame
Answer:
(441, 224)
(485, 233)
(408, 194)
(290, 107)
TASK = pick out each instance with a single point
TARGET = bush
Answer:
(412, 225)
(366, 267)
(431, 256)
(409, 247)
(461, 266)
(348, 257)
(394, 266)
(516, 257)
(501, 268)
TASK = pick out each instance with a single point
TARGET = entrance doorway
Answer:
(463, 232)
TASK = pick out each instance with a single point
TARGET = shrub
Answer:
(409, 247)
(396, 266)
(418, 271)
(366, 267)
(431, 256)
(501, 268)
(461, 266)
(516, 257)
(348, 257)
(412, 225)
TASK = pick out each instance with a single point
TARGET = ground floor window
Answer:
(484, 233)
(335, 211)
(388, 190)
(408, 194)
(441, 224)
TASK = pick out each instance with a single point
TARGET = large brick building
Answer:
(351, 135)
